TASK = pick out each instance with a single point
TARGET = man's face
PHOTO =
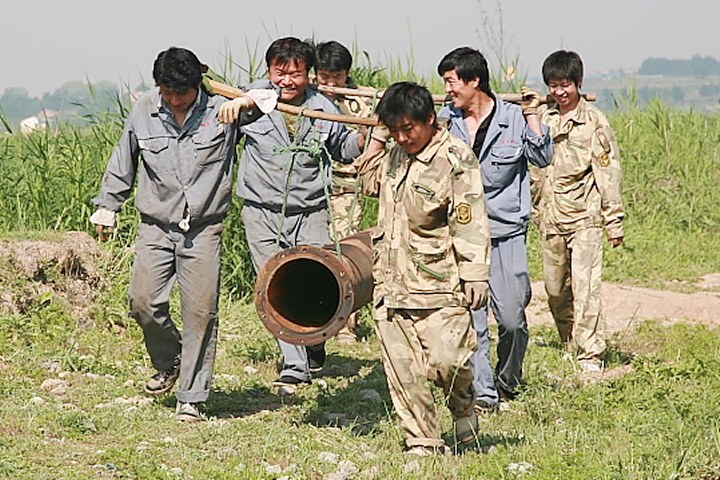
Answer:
(332, 78)
(413, 135)
(291, 77)
(565, 92)
(462, 92)
(179, 102)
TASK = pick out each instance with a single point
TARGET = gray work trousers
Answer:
(302, 228)
(163, 255)
(509, 295)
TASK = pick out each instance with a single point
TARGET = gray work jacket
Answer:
(507, 148)
(263, 173)
(181, 166)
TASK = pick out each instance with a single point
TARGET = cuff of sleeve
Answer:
(474, 272)
(354, 149)
(536, 139)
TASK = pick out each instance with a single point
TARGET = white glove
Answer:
(265, 100)
(105, 222)
(230, 110)
(104, 217)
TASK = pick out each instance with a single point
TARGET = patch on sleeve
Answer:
(604, 160)
(463, 213)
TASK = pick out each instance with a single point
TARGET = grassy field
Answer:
(70, 384)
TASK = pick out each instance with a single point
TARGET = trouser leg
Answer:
(510, 295)
(308, 228)
(483, 380)
(347, 213)
(587, 254)
(419, 346)
(149, 294)
(557, 269)
(198, 275)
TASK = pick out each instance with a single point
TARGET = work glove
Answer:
(530, 101)
(477, 294)
(105, 222)
(230, 110)
(381, 133)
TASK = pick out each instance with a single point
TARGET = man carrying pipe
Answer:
(504, 137)
(332, 69)
(432, 261)
(285, 175)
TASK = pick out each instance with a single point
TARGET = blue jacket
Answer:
(508, 147)
(263, 174)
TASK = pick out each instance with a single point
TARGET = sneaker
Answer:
(422, 451)
(316, 360)
(163, 381)
(346, 338)
(187, 412)
(288, 385)
(466, 428)
(590, 366)
(485, 410)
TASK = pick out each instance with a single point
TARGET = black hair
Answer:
(333, 56)
(288, 49)
(177, 69)
(405, 100)
(563, 65)
(469, 64)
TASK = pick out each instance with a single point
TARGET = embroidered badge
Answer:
(463, 213)
(605, 160)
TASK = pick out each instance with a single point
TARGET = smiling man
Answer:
(431, 264)
(578, 196)
(504, 137)
(283, 185)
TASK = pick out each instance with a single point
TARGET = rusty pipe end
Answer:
(304, 295)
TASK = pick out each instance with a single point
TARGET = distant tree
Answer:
(678, 94)
(17, 104)
(711, 90)
(697, 66)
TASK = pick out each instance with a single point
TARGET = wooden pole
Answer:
(232, 92)
(438, 99)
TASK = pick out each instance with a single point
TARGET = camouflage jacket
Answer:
(581, 188)
(432, 226)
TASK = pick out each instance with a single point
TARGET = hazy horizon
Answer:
(50, 43)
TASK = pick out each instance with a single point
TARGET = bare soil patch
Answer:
(624, 306)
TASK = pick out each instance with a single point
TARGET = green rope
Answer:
(314, 148)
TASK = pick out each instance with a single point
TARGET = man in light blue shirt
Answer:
(504, 137)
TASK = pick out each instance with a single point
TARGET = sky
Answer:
(48, 42)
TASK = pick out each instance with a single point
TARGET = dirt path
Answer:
(625, 306)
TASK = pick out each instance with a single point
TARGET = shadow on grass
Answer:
(360, 404)
(238, 403)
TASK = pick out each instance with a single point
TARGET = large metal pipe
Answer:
(304, 295)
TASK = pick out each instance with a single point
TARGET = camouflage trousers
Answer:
(422, 346)
(573, 276)
(347, 212)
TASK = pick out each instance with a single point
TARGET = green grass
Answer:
(658, 421)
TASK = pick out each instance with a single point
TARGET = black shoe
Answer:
(316, 360)
(163, 381)
(288, 385)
